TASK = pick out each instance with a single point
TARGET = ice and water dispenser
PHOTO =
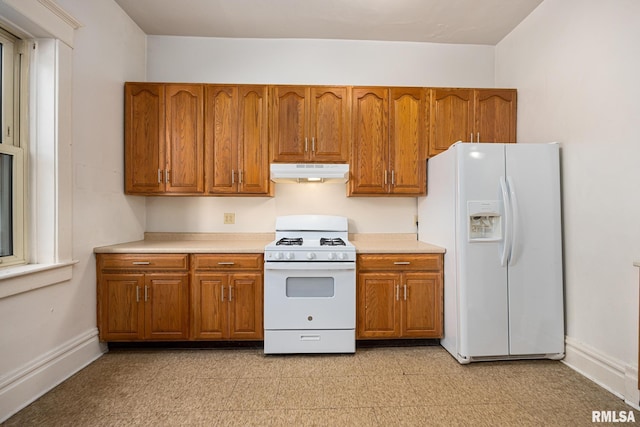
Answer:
(485, 220)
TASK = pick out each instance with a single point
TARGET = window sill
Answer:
(25, 278)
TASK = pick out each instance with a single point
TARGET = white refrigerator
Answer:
(495, 208)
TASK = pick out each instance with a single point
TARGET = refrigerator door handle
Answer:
(515, 214)
(506, 247)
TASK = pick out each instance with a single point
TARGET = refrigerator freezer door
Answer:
(482, 287)
(536, 323)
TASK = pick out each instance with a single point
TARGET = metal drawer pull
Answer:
(402, 262)
(226, 263)
(230, 293)
(137, 293)
(141, 262)
(159, 176)
(405, 291)
(397, 292)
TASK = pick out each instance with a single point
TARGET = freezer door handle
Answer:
(506, 247)
(515, 214)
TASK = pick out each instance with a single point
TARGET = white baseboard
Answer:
(612, 374)
(24, 385)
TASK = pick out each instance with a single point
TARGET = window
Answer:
(12, 158)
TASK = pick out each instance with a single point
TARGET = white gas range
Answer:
(310, 286)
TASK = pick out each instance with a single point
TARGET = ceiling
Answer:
(439, 21)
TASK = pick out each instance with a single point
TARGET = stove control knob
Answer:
(331, 255)
(290, 255)
(342, 255)
(277, 255)
(311, 255)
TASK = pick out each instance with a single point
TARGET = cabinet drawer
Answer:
(404, 262)
(228, 262)
(144, 261)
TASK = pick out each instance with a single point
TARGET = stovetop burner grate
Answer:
(290, 241)
(335, 241)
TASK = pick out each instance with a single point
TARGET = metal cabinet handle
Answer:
(141, 263)
(385, 177)
(306, 144)
(230, 293)
(233, 176)
(137, 293)
(471, 137)
(240, 176)
(222, 292)
(393, 177)
(166, 176)
(478, 138)
(397, 292)
(313, 144)
(159, 176)
(402, 262)
(405, 291)
(226, 263)
(146, 293)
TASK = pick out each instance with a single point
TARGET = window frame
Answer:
(14, 68)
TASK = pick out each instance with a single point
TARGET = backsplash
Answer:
(257, 214)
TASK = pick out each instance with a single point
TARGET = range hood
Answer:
(310, 172)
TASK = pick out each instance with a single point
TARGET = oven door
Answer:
(309, 295)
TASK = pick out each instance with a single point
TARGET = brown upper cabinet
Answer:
(471, 115)
(164, 146)
(310, 124)
(236, 143)
(389, 141)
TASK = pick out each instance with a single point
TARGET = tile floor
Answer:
(389, 386)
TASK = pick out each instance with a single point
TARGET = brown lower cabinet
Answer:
(179, 297)
(399, 296)
(226, 297)
(143, 297)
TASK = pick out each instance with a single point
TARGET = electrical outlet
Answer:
(230, 218)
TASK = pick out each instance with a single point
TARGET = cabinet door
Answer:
(185, 138)
(407, 143)
(245, 306)
(120, 310)
(289, 124)
(378, 305)
(495, 115)
(220, 133)
(370, 141)
(209, 294)
(253, 144)
(166, 306)
(329, 124)
(451, 118)
(144, 138)
(421, 295)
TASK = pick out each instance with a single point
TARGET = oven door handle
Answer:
(308, 266)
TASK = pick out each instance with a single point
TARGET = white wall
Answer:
(41, 329)
(322, 62)
(575, 64)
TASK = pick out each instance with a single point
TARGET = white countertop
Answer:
(255, 242)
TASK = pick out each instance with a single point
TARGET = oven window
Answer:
(310, 287)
